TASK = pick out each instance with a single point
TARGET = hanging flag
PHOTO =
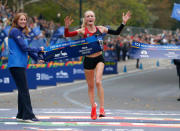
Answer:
(59, 33)
(36, 30)
(2, 36)
(33, 33)
(176, 12)
(6, 30)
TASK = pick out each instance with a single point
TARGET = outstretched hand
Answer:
(42, 48)
(68, 21)
(41, 61)
(126, 17)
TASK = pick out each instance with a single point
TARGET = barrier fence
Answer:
(53, 72)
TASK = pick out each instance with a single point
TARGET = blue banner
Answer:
(141, 50)
(71, 43)
(74, 48)
(78, 72)
(6, 82)
(45, 77)
(110, 67)
(59, 33)
(176, 12)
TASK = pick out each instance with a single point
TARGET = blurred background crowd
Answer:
(118, 44)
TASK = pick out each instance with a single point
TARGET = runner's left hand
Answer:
(126, 17)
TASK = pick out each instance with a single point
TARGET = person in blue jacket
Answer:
(17, 62)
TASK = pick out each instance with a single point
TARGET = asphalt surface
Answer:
(137, 100)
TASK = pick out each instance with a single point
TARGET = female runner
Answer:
(94, 63)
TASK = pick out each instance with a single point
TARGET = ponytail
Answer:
(83, 23)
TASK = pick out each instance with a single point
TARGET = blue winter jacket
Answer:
(19, 49)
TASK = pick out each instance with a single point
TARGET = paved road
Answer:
(154, 89)
(79, 120)
(136, 101)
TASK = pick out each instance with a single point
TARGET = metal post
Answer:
(21, 5)
(80, 12)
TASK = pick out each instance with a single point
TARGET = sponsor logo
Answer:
(144, 52)
(85, 47)
(43, 76)
(63, 53)
(78, 71)
(60, 54)
(137, 44)
(109, 68)
(62, 73)
(18, 36)
(6, 80)
(171, 55)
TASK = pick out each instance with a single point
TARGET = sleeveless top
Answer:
(88, 34)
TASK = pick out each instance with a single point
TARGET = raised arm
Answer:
(68, 21)
(126, 17)
(119, 29)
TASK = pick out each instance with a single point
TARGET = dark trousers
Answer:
(124, 54)
(178, 73)
(137, 63)
(118, 54)
(24, 101)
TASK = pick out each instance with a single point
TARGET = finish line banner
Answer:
(74, 48)
(141, 50)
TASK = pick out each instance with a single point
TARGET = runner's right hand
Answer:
(68, 21)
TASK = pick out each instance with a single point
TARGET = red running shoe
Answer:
(93, 112)
(102, 113)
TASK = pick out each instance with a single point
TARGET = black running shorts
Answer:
(91, 62)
